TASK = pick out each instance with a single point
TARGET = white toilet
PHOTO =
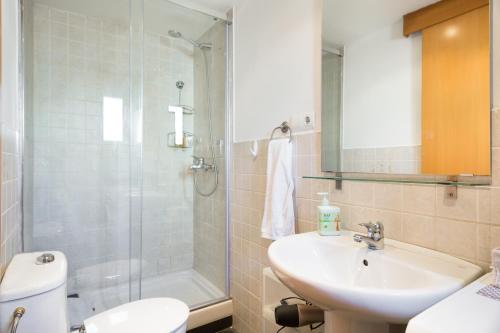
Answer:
(37, 283)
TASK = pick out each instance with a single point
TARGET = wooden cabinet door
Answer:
(456, 95)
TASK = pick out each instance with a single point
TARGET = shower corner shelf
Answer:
(186, 109)
(187, 141)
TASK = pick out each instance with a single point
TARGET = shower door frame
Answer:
(136, 58)
(229, 143)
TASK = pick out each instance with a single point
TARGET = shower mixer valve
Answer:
(199, 164)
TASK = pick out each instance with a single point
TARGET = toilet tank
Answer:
(37, 282)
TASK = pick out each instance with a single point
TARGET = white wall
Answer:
(382, 89)
(277, 62)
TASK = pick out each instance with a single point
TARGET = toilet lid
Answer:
(152, 315)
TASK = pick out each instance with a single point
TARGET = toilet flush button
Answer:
(45, 258)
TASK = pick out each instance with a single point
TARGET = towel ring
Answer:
(285, 128)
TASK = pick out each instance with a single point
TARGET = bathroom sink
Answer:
(390, 285)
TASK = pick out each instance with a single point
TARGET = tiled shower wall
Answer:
(10, 134)
(209, 212)
(167, 223)
(10, 234)
(79, 181)
(468, 227)
(76, 183)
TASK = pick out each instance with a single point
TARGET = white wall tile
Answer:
(80, 205)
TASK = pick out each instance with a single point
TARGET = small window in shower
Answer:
(112, 119)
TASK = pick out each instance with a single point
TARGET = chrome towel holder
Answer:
(285, 128)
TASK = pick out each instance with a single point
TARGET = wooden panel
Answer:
(456, 96)
(437, 13)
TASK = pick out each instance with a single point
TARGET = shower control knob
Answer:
(45, 258)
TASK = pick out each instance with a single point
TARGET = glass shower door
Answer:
(78, 155)
(184, 123)
(109, 176)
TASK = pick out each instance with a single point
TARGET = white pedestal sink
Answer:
(356, 285)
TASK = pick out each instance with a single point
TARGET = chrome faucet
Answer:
(200, 164)
(374, 237)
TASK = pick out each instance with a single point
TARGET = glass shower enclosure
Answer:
(125, 148)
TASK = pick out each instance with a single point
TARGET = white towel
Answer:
(495, 264)
(279, 218)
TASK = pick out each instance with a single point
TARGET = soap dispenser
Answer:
(328, 217)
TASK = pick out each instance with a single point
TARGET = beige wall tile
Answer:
(361, 194)
(260, 164)
(342, 195)
(464, 207)
(419, 199)
(495, 116)
(495, 167)
(345, 214)
(318, 186)
(316, 142)
(418, 230)
(304, 144)
(304, 165)
(388, 196)
(243, 182)
(303, 188)
(358, 215)
(392, 222)
(316, 164)
(484, 205)
(417, 214)
(238, 148)
(494, 202)
(488, 238)
(483, 242)
(456, 238)
(258, 183)
(495, 237)
(257, 200)
(305, 210)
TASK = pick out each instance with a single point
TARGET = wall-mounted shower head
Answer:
(177, 34)
(174, 34)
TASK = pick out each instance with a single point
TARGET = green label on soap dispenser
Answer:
(325, 217)
(329, 223)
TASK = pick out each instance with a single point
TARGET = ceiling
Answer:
(220, 6)
(343, 20)
(347, 20)
(159, 15)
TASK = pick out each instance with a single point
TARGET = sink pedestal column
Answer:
(335, 322)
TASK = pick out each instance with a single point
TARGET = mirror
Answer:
(406, 87)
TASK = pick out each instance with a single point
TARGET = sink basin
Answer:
(390, 285)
